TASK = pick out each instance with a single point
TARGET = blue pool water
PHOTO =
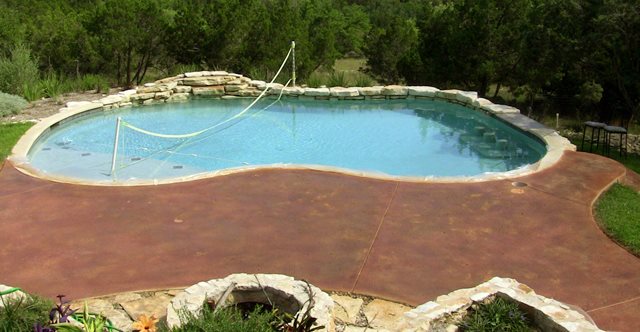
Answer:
(417, 138)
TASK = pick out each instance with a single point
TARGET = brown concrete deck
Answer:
(403, 241)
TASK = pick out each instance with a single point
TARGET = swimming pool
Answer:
(403, 138)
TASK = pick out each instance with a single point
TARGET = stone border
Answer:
(549, 314)
(279, 289)
(220, 84)
(19, 294)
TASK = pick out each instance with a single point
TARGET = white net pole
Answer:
(293, 62)
(115, 146)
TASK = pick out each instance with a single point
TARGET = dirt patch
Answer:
(46, 107)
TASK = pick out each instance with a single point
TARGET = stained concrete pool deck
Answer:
(408, 242)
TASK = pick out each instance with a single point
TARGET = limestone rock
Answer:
(155, 305)
(422, 91)
(113, 99)
(182, 89)
(292, 91)
(196, 74)
(344, 92)
(206, 80)
(142, 96)
(500, 109)
(289, 293)
(317, 92)
(235, 87)
(260, 85)
(11, 296)
(347, 308)
(163, 95)
(395, 90)
(480, 102)
(179, 97)
(248, 92)
(152, 101)
(466, 97)
(370, 91)
(74, 104)
(129, 92)
(126, 297)
(381, 314)
(447, 94)
(210, 91)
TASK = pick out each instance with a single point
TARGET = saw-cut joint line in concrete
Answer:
(615, 304)
(375, 236)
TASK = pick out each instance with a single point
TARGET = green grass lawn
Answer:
(618, 212)
(9, 135)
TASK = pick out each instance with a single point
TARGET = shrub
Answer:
(362, 80)
(20, 315)
(52, 86)
(32, 91)
(316, 80)
(10, 104)
(228, 319)
(92, 82)
(182, 68)
(497, 315)
(18, 70)
(337, 78)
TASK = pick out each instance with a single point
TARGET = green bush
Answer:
(315, 80)
(497, 315)
(10, 104)
(182, 68)
(32, 91)
(338, 78)
(228, 319)
(18, 70)
(362, 80)
(20, 315)
(52, 86)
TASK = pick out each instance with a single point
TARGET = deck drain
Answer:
(135, 158)
(46, 149)
(177, 167)
(65, 148)
(86, 154)
(519, 184)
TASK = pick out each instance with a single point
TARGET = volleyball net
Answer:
(135, 145)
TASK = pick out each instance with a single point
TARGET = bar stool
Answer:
(615, 130)
(596, 128)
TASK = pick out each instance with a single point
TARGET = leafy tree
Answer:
(617, 31)
(129, 32)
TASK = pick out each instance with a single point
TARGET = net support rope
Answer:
(121, 122)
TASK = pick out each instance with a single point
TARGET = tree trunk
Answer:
(495, 94)
(129, 66)
(119, 71)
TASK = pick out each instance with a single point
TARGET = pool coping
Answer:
(220, 84)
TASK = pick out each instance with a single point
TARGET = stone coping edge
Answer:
(220, 84)
(548, 314)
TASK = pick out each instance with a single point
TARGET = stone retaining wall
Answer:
(343, 312)
(548, 314)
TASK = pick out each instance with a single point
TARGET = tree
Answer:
(618, 34)
(129, 32)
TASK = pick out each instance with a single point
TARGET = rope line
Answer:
(217, 124)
